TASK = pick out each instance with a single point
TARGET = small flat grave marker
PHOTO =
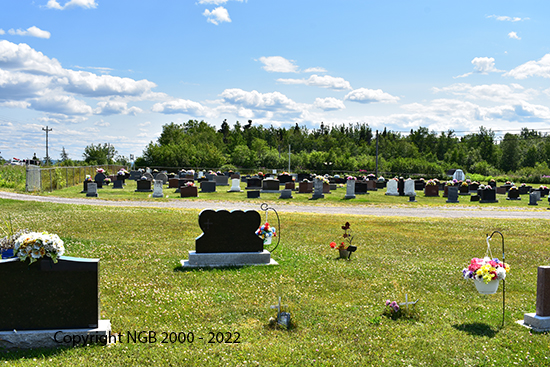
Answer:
(286, 194)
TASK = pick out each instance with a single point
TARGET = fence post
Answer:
(67, 176)
(51, 189)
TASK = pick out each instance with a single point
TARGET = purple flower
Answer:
(388, 302)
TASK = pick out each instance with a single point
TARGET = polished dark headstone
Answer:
(85, 188)
(361, 187)
(284, 178)
(143, 186)
(225, 231)
(173, 183)
(253, 183)
(118, 184)
(513, 194)
(305, 187)
(452, 194)
(99, 179)
(270, 185)
(44, 295)
(253, 194)
(487, 196)
(208, 186)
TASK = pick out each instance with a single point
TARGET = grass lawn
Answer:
(336, 305)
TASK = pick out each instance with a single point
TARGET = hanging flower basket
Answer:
(487, 288)
(487, 272)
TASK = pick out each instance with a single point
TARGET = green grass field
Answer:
(336, 305)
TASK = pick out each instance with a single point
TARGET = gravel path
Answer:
(540, 212)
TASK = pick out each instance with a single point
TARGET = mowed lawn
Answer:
(336, 305)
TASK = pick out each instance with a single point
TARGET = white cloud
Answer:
(532, 68)
(86, 4)
(364, 95)
(116, 108)
(212, 2)
(28, 75)
(505, 18)
(325, 81)
(102, 123)
(482, 65)
(32, 31)
(184, 106)
(147, 123)
(501, 93)
(2, 31)
(218, 15)
(315, 70)
(278, 64)
(329, 104)
(61, 104)
(513, 35)
(257, 100)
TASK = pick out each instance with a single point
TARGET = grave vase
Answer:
(489, 288)
(267, 240)
(344, 254)
(6, 253)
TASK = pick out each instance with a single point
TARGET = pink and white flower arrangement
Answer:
(485, 270)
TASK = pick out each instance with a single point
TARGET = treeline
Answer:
(350, 147)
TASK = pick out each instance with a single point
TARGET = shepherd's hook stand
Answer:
(503, 280)
(266, 208)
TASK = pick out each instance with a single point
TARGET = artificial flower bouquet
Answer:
(266, 233)
(34, 245)
(100, 170)
(485, 270)
(348, 239)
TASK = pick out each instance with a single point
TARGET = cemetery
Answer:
(335, 305)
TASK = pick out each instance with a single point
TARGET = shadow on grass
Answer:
(478, 329)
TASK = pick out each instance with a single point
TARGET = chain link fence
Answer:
(55, 178)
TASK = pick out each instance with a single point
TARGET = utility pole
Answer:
(289, 158)
(376, 154)
(47, 155)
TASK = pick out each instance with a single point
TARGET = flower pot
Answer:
(6, 253)
(267, 240)
(487, 288)
(344, 254)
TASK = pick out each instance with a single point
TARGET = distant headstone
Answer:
(181, 174)
(401, 186)
(290, 185)
(391, 188)
(524, 190)
(487, 196)
(459, 175)
(350, 189)
(225, 231)
(474, 198)
(270, 185)
(92, 189)
(157, 189)
(286, 194)
(284, 178)
(85, 187)
(253, 183)
(253, 194)
(118, 184)
(235, 185)
(189, 191)
(163, 177)
(209, 176)
(305, 187)
(409, 188)
(200, 174)
(134, 175)
(143, 186)
(452, 194)
(208, 186)
(221, 180)
(534, 197)
(149, 176)
(361, 187)
(99, 179)
(317, 189)
(513, 194)
(173, 183)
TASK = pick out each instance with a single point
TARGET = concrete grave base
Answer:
(534, 322)
(54, 338)
(220, 259)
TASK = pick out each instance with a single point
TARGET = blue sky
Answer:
(114, 72)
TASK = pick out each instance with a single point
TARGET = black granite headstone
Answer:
(118, 184)
(143, 186)
(99, 179)
(361, 187)
(254, 183)
(208, 186)
(225, 231)
(452, 194)
(253, 194)
(44, 295)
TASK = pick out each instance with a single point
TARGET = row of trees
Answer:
(345, 148)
